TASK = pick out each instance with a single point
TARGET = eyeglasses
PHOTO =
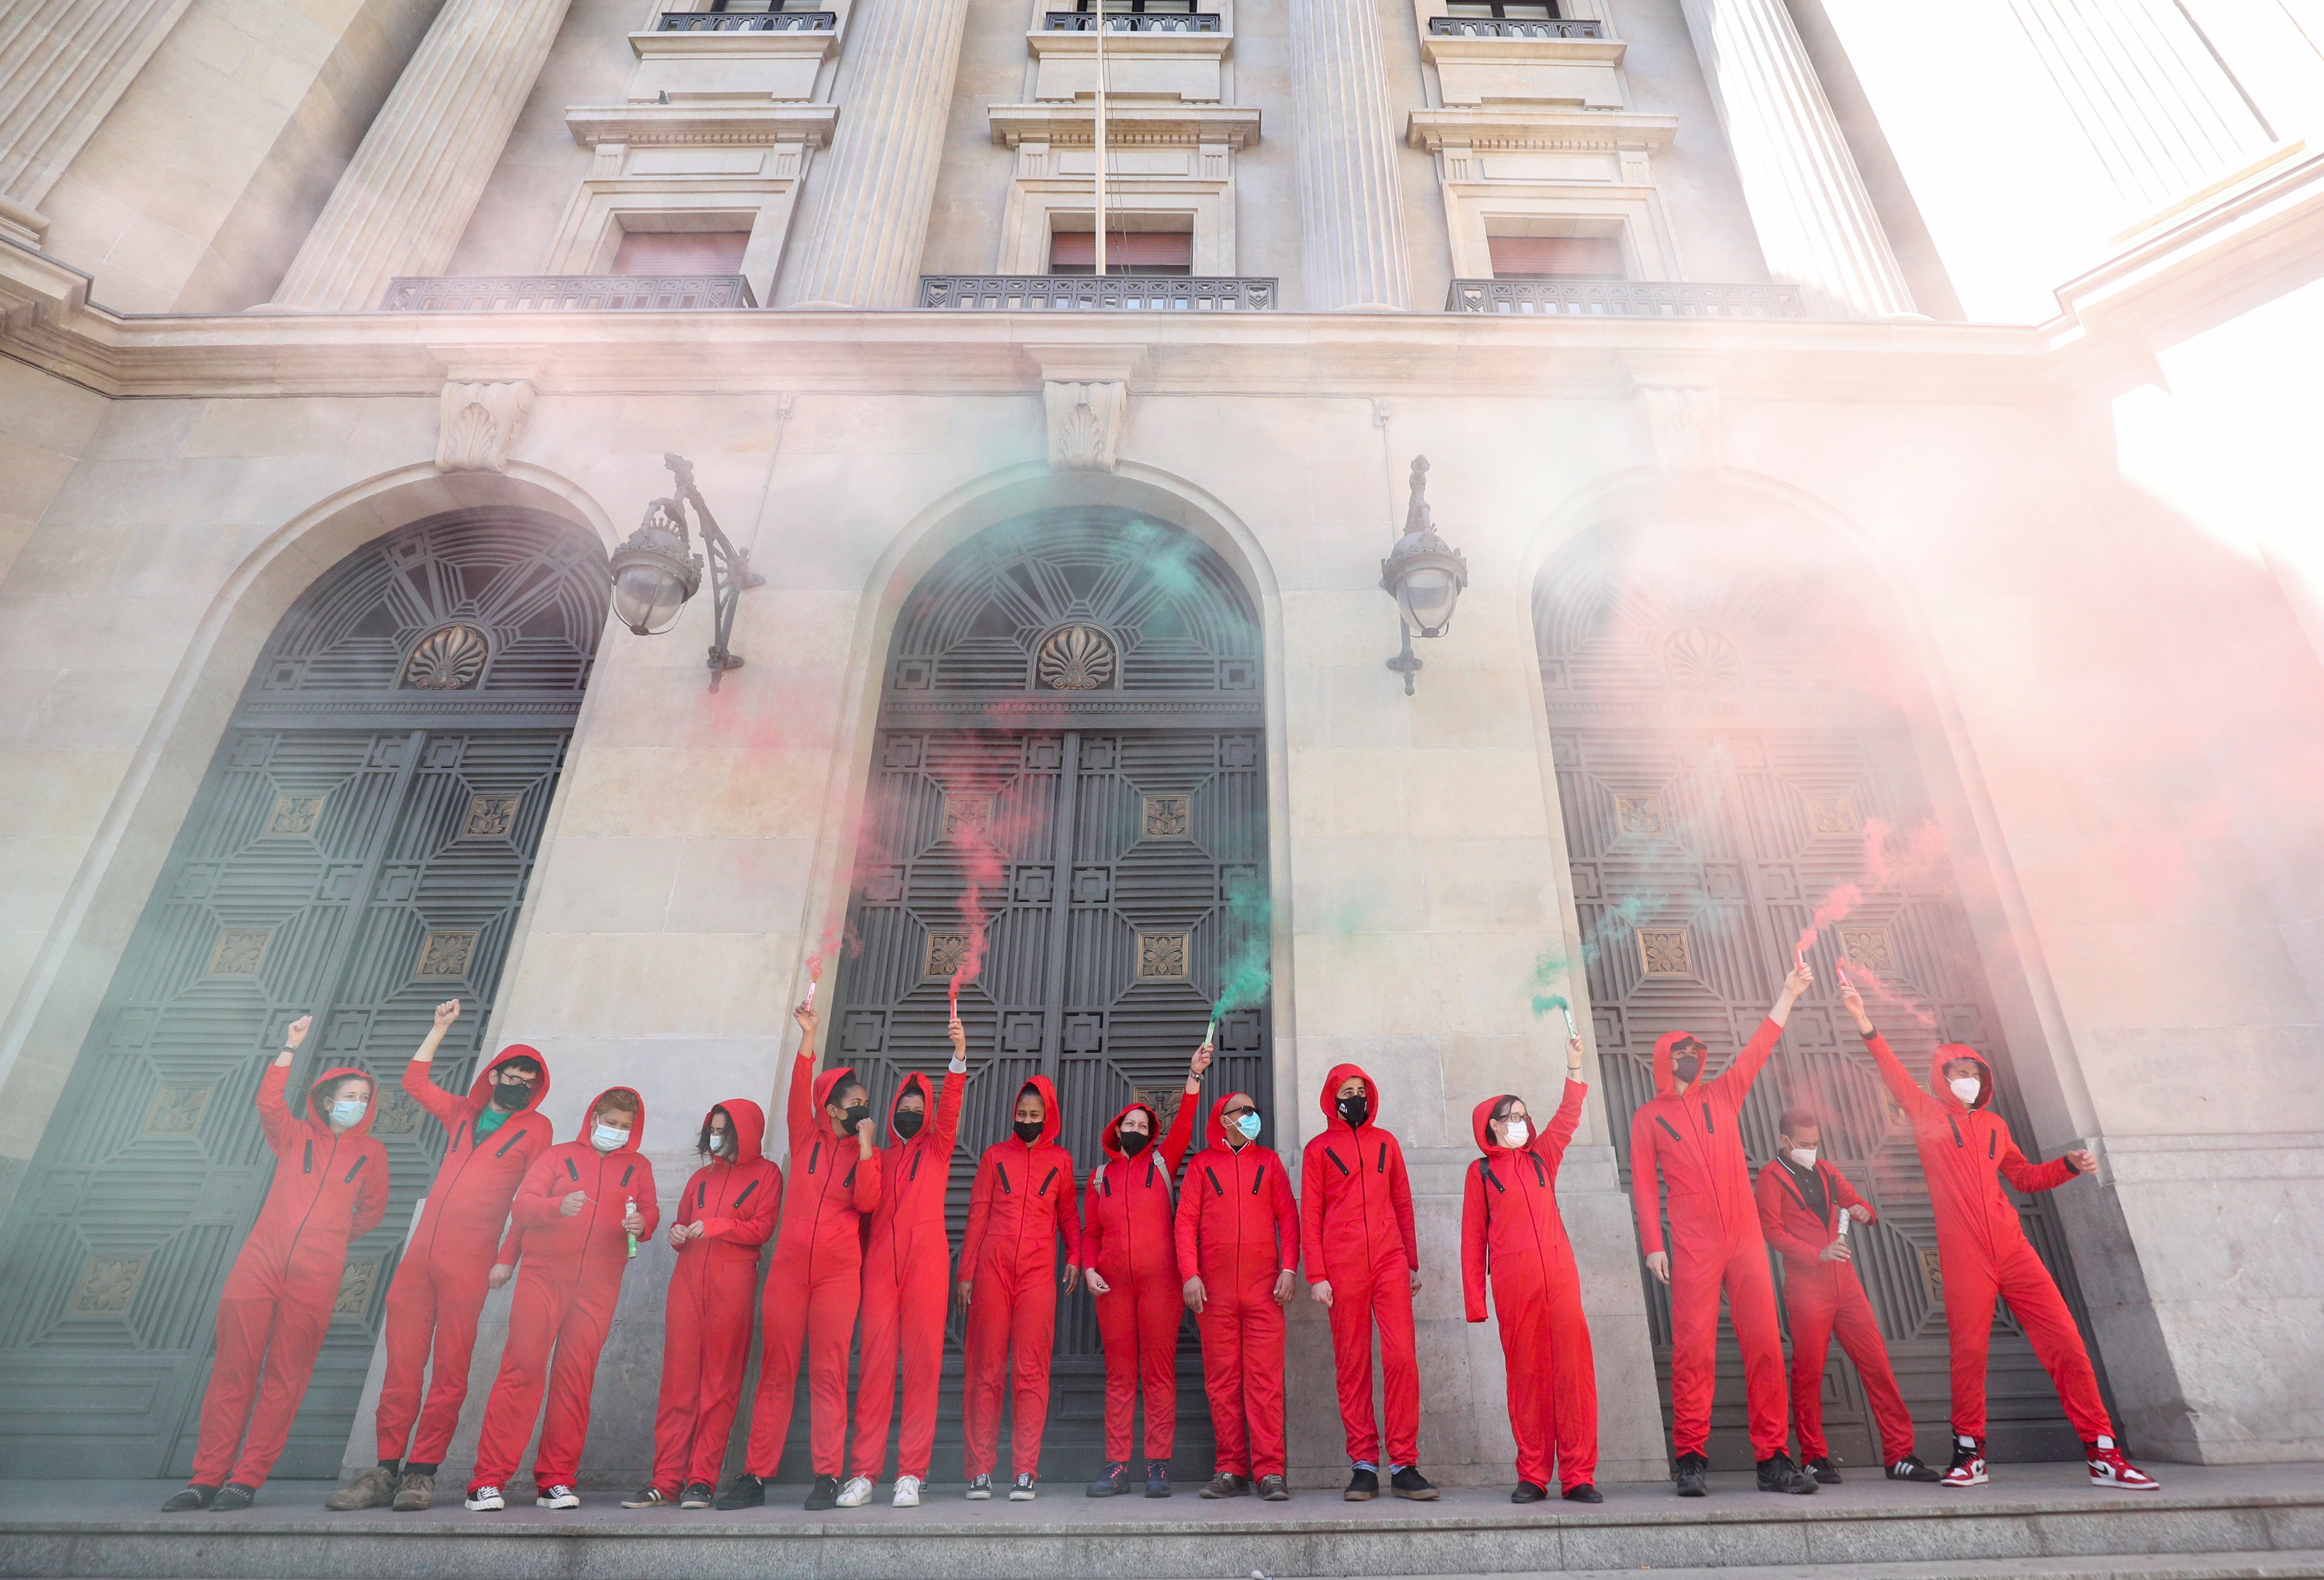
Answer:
(530, 1077)
(1237, 1112)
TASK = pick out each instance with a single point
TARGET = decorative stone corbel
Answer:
(477, 424)
(1683, 421)
(1085, 398)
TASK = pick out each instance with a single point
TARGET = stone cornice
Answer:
(699, 125)
(1517, 126)
(1130, 124)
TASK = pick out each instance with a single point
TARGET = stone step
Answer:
(2299, 1565)
(2033, 1514)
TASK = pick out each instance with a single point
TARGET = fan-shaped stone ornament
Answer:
(1080, 658)
(447, 658)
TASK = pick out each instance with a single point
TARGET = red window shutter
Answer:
(1536, 258)
(681, 251)
(1124, 250)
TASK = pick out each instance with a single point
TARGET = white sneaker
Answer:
(856, 1492)
(907, 1492)
(487, 1500)
(560, 1496)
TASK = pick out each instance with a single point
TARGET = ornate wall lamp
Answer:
(655, 572)
(1422, 574)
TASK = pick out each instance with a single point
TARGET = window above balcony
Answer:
(1522, 52)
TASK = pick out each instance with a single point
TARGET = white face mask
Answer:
(1965, 1089)
(1803, 1156)
(1514, 1132)
(345, 1111)
(606, 1139)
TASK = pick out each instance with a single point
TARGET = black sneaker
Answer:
(1778, 1473)
(233, 1497)
(1226, 1484)
(1911, 1469)
(747, 1492)
(1111, 1484)
(1584, 1492)
(1825, 1472)
(980, 1488)
(1023, 1490)
(824, 1494)
(646, 1497)
(1408, 1483)
(1689, 1475)
(1530, 1492)
(1363, 1486)
(196, 1495)
(697, 1495)
(1273, 1488)
(1158, 1478)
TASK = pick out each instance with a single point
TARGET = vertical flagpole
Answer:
(1099, 139)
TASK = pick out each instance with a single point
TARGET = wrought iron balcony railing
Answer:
(1516, 27)
(1160, 294)
(747, 21)
(567, 292)
(1129, 21)
(1626, 299)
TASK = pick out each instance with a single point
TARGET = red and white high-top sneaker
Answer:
(1968, 1462)
(2108, 1468)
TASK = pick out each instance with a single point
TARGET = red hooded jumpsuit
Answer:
(439, 1285)
(1824, 1298)
(566, 1292)
(816, 1282)
(1355, 1205)
(1697, 1141)
(329, 1189)
(1981, 1246)
(1127, 1235)
(707, 1319)
(906, 1280)
(1510, 1225)
(1023, 1200)
(1238, 1231)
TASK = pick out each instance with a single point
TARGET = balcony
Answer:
(1158, 293)
(1515, 27)
(603, 293)
(1624, 299)
(747, 21)
(1129, 21)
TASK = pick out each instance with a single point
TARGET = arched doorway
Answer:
(1728, 721)
(1070, 719)
(358, 849)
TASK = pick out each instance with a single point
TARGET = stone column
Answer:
(1816, 224)
(867, 221)
(1351, 209)
(403, 203)
(63, 65)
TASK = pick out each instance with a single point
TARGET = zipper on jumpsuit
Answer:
(291, 1248)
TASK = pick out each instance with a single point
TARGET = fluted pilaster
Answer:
(63, 64)
(868, 201)
(1351, 209)
(1816, 224)
(401, 206)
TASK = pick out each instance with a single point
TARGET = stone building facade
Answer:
(1794, 420)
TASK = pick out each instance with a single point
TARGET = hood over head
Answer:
(913, 1082)
(332, 1077)
(1666, 1079)
(1109, 1138)
(637, 1121)
(480, 1090)
(1945, 1054)
(1053, 1119)
(750, 1122)
(1330, 1098)
(830, 1081)
(1217, 1135)
(1480, 1121)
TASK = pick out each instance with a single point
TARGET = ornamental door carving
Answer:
(358, 849)
(1070, 720)
(1729, 755)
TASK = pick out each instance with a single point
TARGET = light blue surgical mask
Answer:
(345, 1111)
(606, 1139)
(1248, 1125)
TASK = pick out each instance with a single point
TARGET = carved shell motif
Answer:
(448, 659)
(1080, 658)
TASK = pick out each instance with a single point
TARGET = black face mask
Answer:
(1133, 1142)
(1686, 1067)
(512, 1095)
(852, 1116)
(907, 1122)
(1355, 1110)
(1028, 1131)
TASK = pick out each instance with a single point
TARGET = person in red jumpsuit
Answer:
(1511, 1230)
(1983, 1253)
(907, 1277)
(1022, 1203)
(1130, 1256)
(582, 1209)
(1801, 1203)
(724, 1214)
(496, 1134)
(329, 1187)
(1363, 1266)
(1238, 1234)
(1691, 1129)
(816, 1282)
